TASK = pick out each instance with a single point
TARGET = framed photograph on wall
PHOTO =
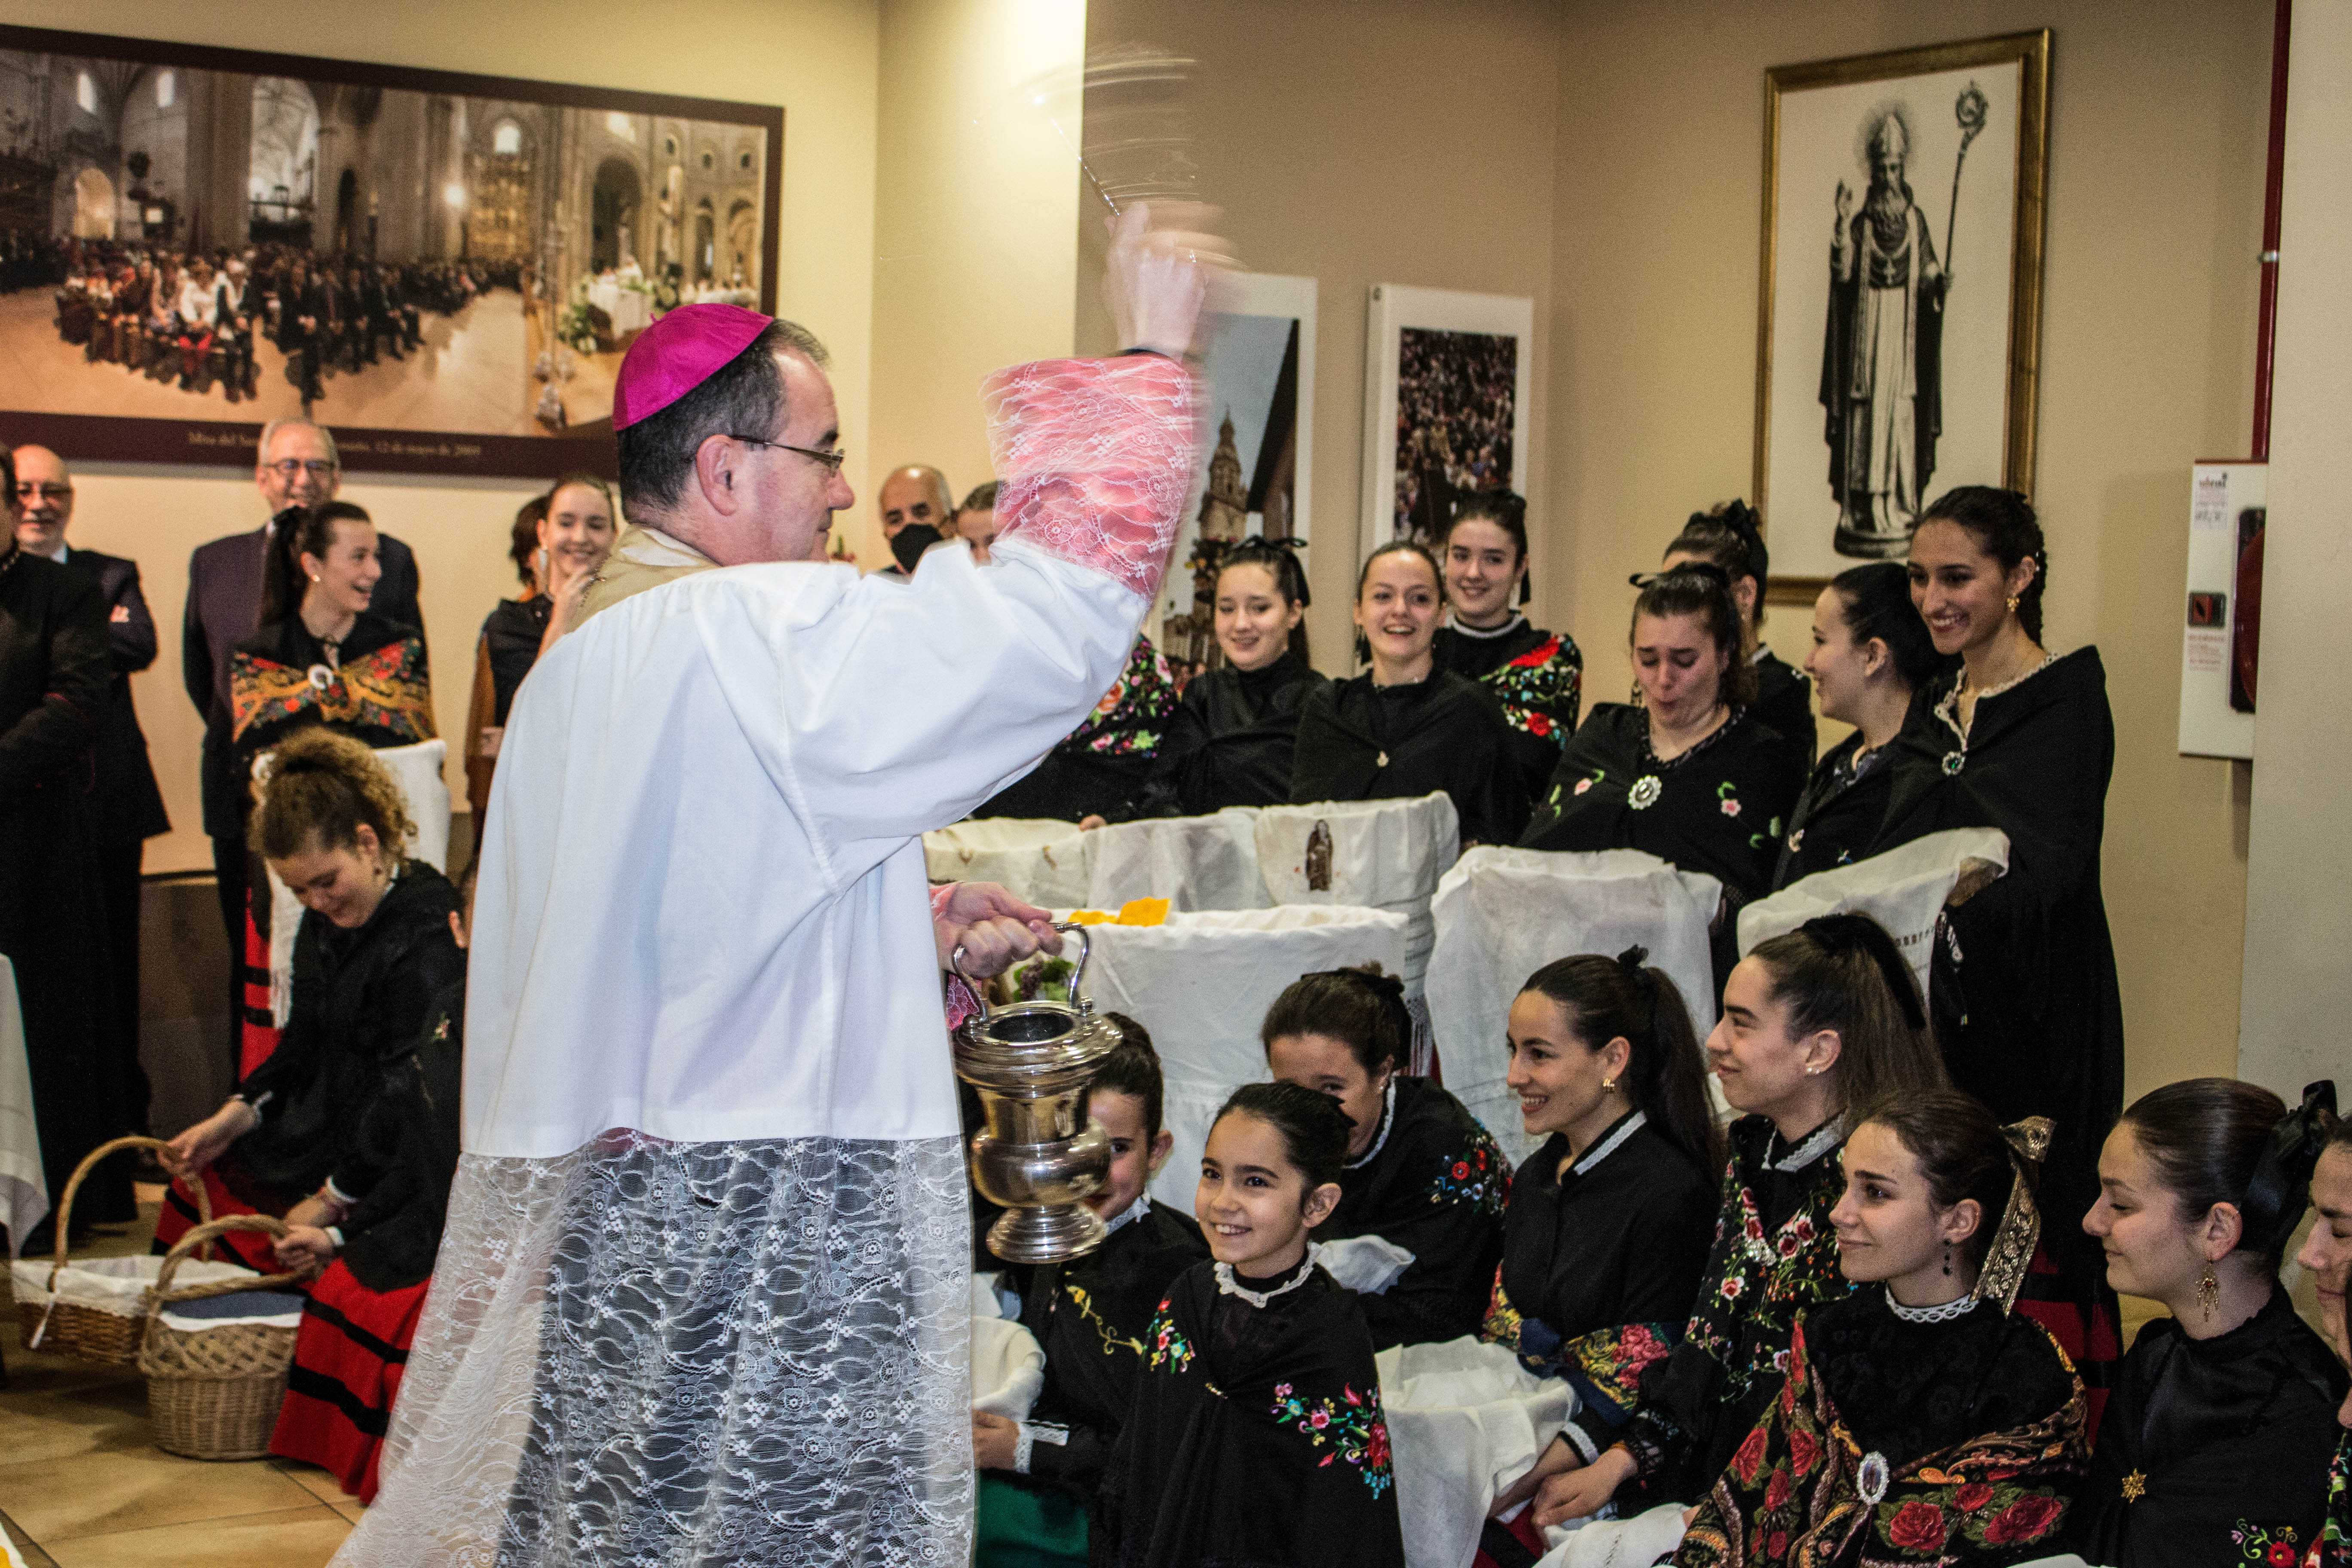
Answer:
(1899, 315)
(1448, 386)
(1257, 372)
(443, 269)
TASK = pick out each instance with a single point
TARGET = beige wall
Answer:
(2298, 969)
(975, 244)
(1363, 142)
(2157, 135)
(819, 59)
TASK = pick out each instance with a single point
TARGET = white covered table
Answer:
(1904, 890)
(1047, 862)
(1502, 914)
(1201, 984)
(24, 1187)
(1193, 862)
(628, 309)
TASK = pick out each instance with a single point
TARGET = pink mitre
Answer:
(678, 353)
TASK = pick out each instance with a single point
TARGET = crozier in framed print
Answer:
(1900, 305)
(443, 269)
(1447, 378)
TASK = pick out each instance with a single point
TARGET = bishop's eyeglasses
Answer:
(831, 460)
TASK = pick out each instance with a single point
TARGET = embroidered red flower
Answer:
(1776, 1545)
(1731, 808)
(1320, 1419)
(1538, 723)
(1776, 1490)
(2282, 1554)
(2027, 1518)
(1376, 1445)
(1750, 1457)
(1731, 1287)
(1919, 1527)
(1537, 656)
(1804, 1453)
(1583, 785)
(1461, 1169)
(1972, 1496)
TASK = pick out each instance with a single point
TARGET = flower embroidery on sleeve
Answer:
(1350, 1427)
(1478, 1176)
(1169, 1349)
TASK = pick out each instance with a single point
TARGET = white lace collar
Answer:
(1944, 1312)
(1134, 1211)
(1388, 1120)
(1818, 1143)
(1608, 1146)
(1228, 1284)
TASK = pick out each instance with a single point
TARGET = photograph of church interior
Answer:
(1633, 846)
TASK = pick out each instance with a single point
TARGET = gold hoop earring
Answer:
(2208, 1293)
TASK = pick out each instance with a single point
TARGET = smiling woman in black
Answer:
(1405, 727)
(1234, 733)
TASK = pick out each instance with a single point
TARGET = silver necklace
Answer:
(1228, 1284)
(1959, 1307)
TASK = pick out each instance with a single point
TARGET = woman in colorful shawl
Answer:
(1256, 1435)
(1815, 1024)
(1100, 771)
(1538, 676)
(1921, 1420)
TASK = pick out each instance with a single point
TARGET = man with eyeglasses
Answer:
(126, 808)
(297, 465)
(707, 1260)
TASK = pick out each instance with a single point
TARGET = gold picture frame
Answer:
(1899, 310)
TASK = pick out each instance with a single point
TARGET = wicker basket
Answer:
(76, 1329)
(213, 1393)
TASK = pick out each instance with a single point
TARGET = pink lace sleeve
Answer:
(1095, 458)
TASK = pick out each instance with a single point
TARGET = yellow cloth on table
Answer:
(1134, 912)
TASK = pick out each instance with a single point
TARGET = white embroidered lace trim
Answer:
(1388, 1119)
(1228, 1284)
(1959, 1307)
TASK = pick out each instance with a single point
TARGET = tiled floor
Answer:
(83, 1486)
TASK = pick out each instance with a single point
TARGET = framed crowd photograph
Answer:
(443, 269)
(1257, 375)
(1900, 301)
(1448, 378)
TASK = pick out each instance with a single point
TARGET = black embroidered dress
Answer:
(1232, 739)
(1361, 741)
(1537, 677)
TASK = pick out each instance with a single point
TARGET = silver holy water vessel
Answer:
(1038, 1155)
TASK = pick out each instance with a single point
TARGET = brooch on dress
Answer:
(1873, 1477)
(320, 678)
(1954, 762)
(1645, 792)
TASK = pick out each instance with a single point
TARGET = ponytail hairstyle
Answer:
(1279, 559)
(1697, 588)
(1364, 574)
(2003, 525)
(322, 786)
(1363, 1009)
(1665, 1074)
(1504, 509)
(524, 545)
(1962, 1152)
(1728, 535)
(1132, 1067)
(2221, 1140)
(1876, 601)
(293, 534)
(1842, 972)
(1315, 1131)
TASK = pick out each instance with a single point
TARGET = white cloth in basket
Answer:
(1368, 1265)
(1008, 1367)
(1193, 862)
(417, 771)
(1201, 983)
(24, 1185)
(1465, 1420)
(117, 1286)
(1385, 854)
(1634, 1542)
(1904, 889)
(1044, 862)
(1502, 914)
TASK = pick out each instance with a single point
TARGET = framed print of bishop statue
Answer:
(1900, 298)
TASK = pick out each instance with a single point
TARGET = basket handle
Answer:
(163, 1293)
(73, 1184)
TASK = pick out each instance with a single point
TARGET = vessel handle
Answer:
(979, 988)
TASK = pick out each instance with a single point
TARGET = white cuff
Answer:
(1032, 1434)
(335, 1235)
(1580, 1441)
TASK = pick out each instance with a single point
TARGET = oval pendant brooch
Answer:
(1873, 1477)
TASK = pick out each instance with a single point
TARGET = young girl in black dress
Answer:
(1921, 1420)
(1256, 1434)
(1729, 537)
(1538, 676)
(2216, 1442)
(1870, 652)
(1418, 1170)
(1407, 726)
(1234, 733)
(1607, 1232)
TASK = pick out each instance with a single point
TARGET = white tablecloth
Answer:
(24, 1189)
(630, 310)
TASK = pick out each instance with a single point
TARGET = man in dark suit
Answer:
(127, 809)
(297, 467)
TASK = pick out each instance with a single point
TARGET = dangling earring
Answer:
(2208, 1293)
(1608, 1086)
(1948, 1261)
(2012, 604)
